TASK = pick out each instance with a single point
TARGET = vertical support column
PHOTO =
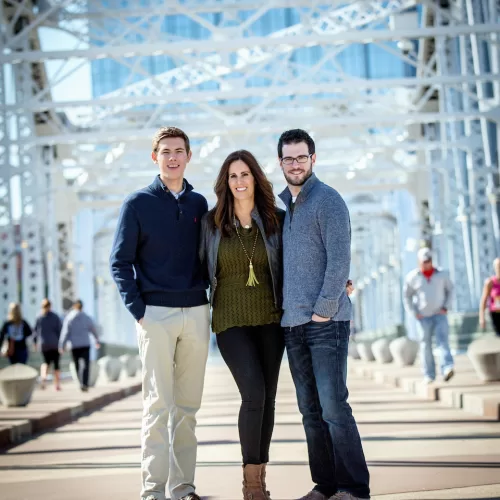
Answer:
(479, 162)
(105, 307)
(433, 204)
(33, 192)
(63, 204)
(458, 221)
(8, 264)
(65, 265)
(358, 310)
(419, 188)
(494, 59)
(32, 186)
(50, 252)
(8, 253)
(33, 270)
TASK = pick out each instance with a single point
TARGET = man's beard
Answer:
(299, 181)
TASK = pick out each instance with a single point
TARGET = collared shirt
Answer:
(175, 195)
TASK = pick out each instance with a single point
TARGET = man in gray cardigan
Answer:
(316, 320)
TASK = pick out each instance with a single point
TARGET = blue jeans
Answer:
(434, 326)
(317, 354)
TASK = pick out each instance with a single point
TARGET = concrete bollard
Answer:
(484, 354)
(365, 351)
(129, 364)
(381, 352)
(110, 368)
(93, 372)
(16, 384)
(404, 351)
(352, 350)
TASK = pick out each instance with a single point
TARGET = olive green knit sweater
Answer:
(236, 304)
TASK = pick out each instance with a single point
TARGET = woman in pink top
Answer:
(491, 297)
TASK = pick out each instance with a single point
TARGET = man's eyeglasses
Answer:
(288, 160)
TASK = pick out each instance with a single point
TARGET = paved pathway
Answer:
(411, 444)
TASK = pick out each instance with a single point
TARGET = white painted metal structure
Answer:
(434, 135)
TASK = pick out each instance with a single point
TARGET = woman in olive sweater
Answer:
(241, 249)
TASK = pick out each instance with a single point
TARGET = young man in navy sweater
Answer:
(154, 262)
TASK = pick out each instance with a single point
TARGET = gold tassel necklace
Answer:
(252, 279)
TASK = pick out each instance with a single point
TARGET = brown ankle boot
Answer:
(264, 486)
(252, 483)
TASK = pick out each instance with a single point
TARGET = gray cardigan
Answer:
(316, 255)
(209, 248)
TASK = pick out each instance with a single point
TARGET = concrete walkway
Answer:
(416, 449)
(49, 408)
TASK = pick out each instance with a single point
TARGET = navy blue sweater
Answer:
(154, 260)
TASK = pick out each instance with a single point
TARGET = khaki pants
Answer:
(173, 345)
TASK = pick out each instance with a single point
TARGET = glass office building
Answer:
(356, 60)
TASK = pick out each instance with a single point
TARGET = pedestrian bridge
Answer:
(417, 446)
(401, 97)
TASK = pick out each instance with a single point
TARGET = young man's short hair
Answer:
(166, 132)
(294, 137)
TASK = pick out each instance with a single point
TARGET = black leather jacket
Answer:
(209, 248)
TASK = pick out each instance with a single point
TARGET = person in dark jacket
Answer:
(15, 331)
(155, 265)
(241, 247)
(48, 330)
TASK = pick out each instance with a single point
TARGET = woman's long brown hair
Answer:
(223, 212)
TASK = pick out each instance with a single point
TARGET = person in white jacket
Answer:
(427, 295)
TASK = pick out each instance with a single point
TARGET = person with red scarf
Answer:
(427, 294)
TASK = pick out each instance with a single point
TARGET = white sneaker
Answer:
(428, 380)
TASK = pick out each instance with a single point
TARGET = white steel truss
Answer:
(234, 87)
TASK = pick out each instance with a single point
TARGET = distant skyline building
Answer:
(356, 60)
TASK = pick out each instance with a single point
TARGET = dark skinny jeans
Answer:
(253, 354)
